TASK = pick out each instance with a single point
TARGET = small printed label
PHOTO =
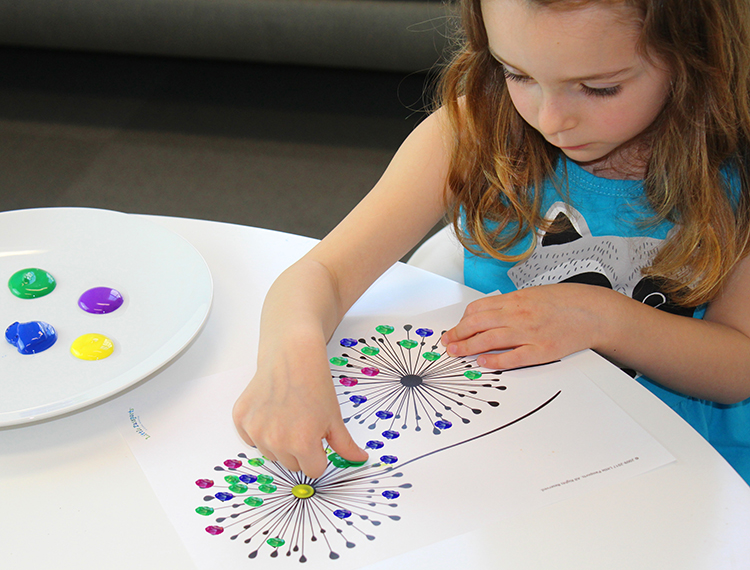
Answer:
(137, 425)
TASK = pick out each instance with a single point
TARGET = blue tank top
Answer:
(600, 240)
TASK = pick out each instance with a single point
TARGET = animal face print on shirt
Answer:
(571, 254)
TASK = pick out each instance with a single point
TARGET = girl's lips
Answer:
(579, 147)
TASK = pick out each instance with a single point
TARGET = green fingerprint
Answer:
(256, 461)
(370, 350)
(267, 488)
(232, 479)
(205, 511)
(431, 356)
(275, 542)
(339, 361)
(408, 343)
(238, 489)
(265, 479)
(253, 501)
(384, 329)
(473, 374)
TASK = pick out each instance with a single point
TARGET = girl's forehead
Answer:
(591, 38)
(616, 15)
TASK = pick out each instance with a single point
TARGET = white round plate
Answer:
(165, 283)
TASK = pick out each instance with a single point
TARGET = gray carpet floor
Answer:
(280, 147)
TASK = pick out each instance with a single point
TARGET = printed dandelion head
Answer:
(262, 504)
(396, 385)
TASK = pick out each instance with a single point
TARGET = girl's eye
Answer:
(601, 91)
(514, 76)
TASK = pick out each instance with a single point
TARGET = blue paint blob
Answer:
(384, 414)
(374, 444)
(390, 434)
(358, 399)
(391, 494)
(224, 496)
(389, 459)
(443, 424)
(248, 479)
(342, 513)
(31, 337)
(348, 342)
(424, 332)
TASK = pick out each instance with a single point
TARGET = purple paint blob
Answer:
(370, 371)
(233, 463)
(204, 483)
(214, 530)
(348, 382)
(32, 337)
(100, 300)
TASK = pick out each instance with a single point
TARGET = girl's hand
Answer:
(533, 325)
(288, 408)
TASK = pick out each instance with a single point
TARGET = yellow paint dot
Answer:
(303, 491)
(92, 346)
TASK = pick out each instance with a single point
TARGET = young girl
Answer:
(577, 143)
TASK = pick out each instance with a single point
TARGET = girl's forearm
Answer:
(699, 358)
(303, 302)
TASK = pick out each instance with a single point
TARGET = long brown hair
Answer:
(499, 162)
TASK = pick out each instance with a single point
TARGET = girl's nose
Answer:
(555, 116)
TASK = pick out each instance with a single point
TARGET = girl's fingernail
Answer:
(481, 361)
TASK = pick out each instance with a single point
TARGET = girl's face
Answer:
(575, 75)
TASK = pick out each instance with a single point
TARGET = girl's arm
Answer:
(290, 405)
(707, 359)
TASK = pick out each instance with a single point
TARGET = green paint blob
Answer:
(31, 283)
(265, 479)
(338, 461)
(431, 356)
(256, 461)
(267, 488)
(238, 489)
(253, 501)
(232, 479)
(205, 511)
(370, 350)
(339, 361)
(275, 542)
(473, 374)
(408, 343)
(384, 329)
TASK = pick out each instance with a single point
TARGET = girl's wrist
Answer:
(614, 312)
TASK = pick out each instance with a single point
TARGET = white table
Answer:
(72, 495)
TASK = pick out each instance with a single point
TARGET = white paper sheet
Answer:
(552, 435)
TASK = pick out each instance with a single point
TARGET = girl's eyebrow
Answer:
(593, 77)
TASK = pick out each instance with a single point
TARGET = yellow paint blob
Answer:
(303, 491)
(92, 346)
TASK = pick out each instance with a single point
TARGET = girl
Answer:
(576, 143)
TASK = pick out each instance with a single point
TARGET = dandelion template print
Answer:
(388, 389)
